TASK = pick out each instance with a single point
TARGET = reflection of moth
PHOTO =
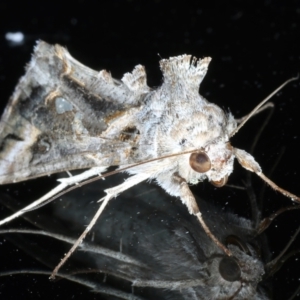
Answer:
(65, 116)
(147, 250)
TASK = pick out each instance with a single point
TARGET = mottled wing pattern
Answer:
(65, 116)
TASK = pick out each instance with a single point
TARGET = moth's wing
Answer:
(65, 116)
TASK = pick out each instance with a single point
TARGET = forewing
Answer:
(61, 116)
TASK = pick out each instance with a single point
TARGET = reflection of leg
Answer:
(64, 183)
(189, 200)
(111, 193)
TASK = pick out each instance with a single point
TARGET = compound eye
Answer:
(220, 182)
(229, 269)
(200, 162)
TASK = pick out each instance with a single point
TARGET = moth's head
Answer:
(237, 276)
(214, 161)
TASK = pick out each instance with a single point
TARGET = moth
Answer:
(64, 116)
(147, 250)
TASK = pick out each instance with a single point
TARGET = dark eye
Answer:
(229, 269)
(220, 182)
(200, 162)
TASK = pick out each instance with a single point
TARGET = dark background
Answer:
(254, 49)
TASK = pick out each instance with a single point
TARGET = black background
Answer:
(254, 49)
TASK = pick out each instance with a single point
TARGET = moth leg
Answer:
(74, 179)
(189, 200)
(130, 182)
(248, 162)
(64, 182)
(111, 193)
